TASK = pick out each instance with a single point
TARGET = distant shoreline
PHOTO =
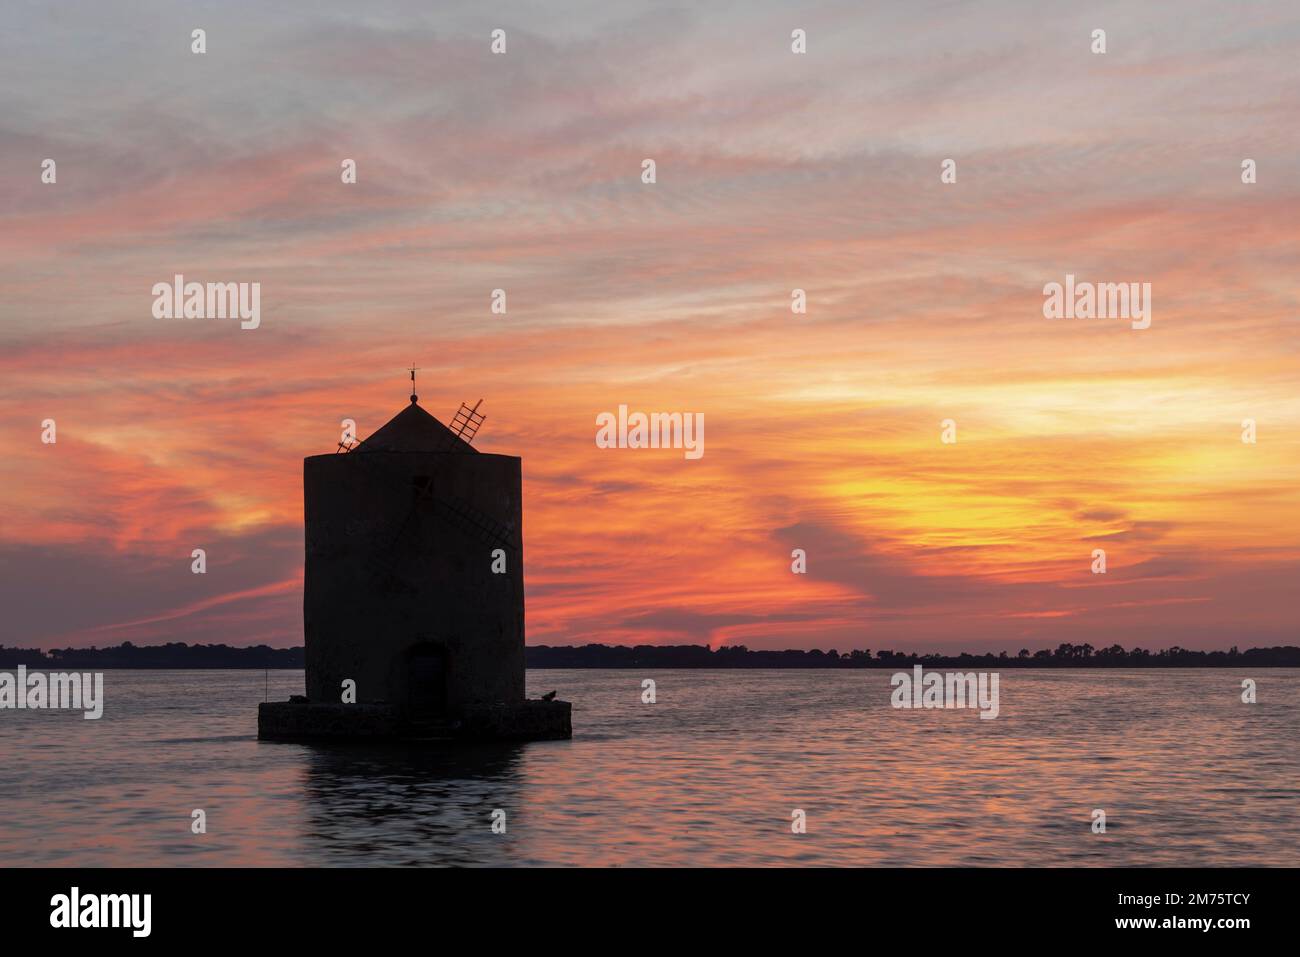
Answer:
(178, 655)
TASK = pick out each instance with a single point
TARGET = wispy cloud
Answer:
(775, 172)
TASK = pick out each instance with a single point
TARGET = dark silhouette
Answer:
(180, 655)
(1065, 656)
(170, 655)
(413, 591)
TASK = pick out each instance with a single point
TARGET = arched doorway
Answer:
(427, 680)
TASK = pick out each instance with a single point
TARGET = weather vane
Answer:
(413, 370)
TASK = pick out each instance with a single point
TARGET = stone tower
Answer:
(414, 589)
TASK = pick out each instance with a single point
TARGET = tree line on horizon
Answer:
(1064, 656)
(181, 655)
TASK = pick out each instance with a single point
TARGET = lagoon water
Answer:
(708, 775)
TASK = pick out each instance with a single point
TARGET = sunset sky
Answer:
(775, 171)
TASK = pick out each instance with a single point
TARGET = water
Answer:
(1186, 773)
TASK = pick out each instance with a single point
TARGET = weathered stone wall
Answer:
(385, 572)
(289, 721)
(306, 721)
(526, 721)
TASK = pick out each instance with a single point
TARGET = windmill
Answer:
(414, 509)
(427, 500)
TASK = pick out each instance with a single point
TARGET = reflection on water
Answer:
(402, 806)
(709, 775)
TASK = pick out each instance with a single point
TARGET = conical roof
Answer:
(414, 430)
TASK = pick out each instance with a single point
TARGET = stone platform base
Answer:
(315, 721)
